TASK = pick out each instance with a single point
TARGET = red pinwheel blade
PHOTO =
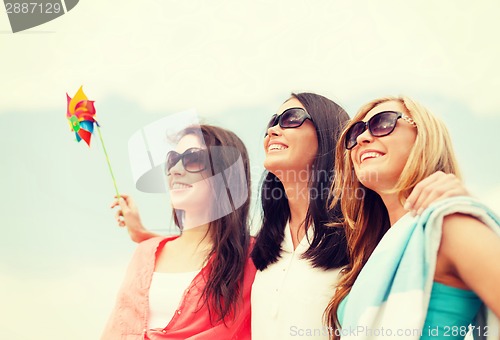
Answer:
(86, 130)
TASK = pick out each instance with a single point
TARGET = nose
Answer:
(365, 137)
(177, 169)
(274, 130)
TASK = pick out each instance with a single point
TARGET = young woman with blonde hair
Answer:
(429, 273)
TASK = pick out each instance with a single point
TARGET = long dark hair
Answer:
(328, 247)
(230, 233)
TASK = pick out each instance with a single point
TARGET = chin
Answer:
(273, 165)
(368, 178)
(180, 204)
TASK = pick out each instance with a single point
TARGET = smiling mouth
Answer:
(276, 147)
(369, 155)
(180, 186)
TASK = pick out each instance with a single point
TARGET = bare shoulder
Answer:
(469, 251)
(457, 223)
(153, 242)
(464, 235)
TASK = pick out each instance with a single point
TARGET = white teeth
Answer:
(370, 155)
(276, 147)
(180, 186)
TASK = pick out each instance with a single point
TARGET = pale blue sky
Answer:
(62, 257)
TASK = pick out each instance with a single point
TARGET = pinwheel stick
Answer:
(109, 164)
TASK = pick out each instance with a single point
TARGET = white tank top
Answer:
(165, 294)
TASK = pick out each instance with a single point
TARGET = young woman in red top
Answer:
(196, 285)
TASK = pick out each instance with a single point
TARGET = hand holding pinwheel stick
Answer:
(80, 113)
(128, 216)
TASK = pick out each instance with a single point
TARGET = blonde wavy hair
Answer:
(365, 216)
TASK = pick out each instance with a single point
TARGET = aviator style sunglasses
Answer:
(380, 125)
(290, 118)
(193, 160)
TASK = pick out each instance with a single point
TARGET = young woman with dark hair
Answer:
(282, 188)
(196, 285)
(297, 256)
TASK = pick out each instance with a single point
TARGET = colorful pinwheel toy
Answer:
(80, 113)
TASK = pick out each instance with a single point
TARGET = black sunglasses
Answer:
(193, 160)
(290, 118)
(380, 125)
